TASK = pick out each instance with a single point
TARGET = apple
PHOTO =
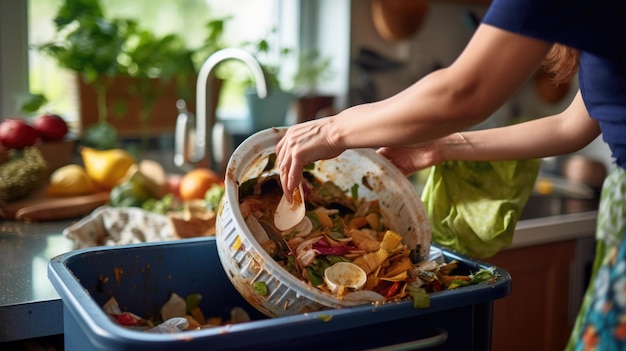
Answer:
(15, 133)
(50, 126)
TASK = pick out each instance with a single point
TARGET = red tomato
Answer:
(50, 127)
(196, 182)
(17, 134)
(129, 320)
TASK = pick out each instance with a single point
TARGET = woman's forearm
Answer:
(424, 111)
(447, 100)
(563, 133)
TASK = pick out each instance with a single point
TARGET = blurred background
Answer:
(364, 62)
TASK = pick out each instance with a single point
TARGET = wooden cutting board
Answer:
(39, 208)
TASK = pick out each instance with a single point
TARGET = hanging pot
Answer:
(398, 19)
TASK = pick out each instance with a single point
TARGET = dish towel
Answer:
(473, 206)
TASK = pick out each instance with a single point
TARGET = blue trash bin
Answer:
(141, 277)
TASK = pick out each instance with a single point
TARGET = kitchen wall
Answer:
(443, 35)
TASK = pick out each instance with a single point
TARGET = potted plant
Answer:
(270, 111)
(312, 71)
(129, 79)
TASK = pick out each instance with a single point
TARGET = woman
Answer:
(421, 126)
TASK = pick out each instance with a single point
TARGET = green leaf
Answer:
(74, 9)
(325, 317)
(483, 275)
(315, 276)
(312, 70)
(101, 136)
(213, 196)
(192, 301)
(260, 288)
(127, 194)
(354, 190)
(33, 102)
(421, 299)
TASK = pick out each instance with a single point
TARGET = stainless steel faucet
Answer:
(193, 137)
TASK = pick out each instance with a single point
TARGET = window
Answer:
(321, 24)
(250, 21)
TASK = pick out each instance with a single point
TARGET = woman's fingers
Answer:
(288, 160)
(302, 144)
(286, 169)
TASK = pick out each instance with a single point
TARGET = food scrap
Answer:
(371, 262)
(176, 315)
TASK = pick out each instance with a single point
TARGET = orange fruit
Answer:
(196, 182)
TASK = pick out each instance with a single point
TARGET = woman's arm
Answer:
(492, 67)
(562, 133)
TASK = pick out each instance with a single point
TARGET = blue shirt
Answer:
(598, 29)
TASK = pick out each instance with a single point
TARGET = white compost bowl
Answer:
(245, 261)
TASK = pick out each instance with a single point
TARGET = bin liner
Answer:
(473, 206)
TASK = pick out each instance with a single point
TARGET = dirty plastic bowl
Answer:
(245, 261)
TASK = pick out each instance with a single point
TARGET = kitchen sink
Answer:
(539, 206)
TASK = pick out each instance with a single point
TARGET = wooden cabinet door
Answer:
(535, 315)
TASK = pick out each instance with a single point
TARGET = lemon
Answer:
(544, 186)
(106, 167)
(70, 180)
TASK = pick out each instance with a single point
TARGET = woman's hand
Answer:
(302, 144)
(413, 158)
(410, 159)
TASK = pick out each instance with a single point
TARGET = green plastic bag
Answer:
(473, 206)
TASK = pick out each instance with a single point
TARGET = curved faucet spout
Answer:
(206, 120)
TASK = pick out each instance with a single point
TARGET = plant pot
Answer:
(268, 112)
(309, 107)
(124, 105)
(398, 19)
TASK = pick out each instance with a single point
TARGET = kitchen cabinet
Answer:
(539, 313)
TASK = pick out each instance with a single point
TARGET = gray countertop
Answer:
(30, 307)
(545, 230)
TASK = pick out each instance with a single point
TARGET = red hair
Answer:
(561, 63)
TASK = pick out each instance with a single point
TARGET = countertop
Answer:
(545, 230)
(30, 307)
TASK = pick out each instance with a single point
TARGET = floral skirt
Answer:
(601, 322)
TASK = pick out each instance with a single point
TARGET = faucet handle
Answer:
(184, 131)
(181, 106)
